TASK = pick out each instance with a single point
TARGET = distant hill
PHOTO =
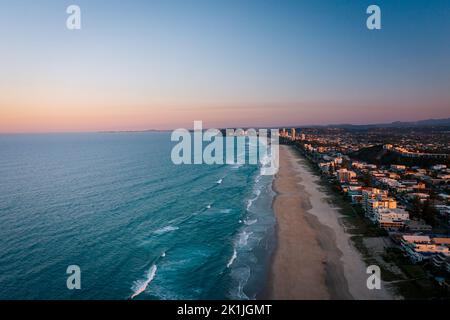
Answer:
(375, 154)
(396, 124)
(421, 123)
(378, 155)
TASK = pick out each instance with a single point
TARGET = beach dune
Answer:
(314, 258)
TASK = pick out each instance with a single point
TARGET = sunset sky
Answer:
(161, 64)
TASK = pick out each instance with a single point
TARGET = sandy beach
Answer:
(314, 258)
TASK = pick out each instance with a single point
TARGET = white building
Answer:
(380, 202)
(369, 194)
(421, 248)
(391, 219)
(443, 209)
(439, 167)
(345, 175)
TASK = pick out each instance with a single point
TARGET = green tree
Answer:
(429, 213)
(367, 179)
(416, 208)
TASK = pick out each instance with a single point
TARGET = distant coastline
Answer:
(443, 123)
(401, 124)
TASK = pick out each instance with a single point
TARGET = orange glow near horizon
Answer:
(68, 108)
(79, 116)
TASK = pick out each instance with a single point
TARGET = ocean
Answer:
(137, 225)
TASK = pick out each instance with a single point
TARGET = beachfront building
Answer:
(391, 219)
(344, 175)
(416, 239)
(370, 193)
(422, 248)
(441, 261)
(439, 167)
(417, 226)
(380, 202)
(444, 210)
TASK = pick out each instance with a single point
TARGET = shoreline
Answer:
(313, 257)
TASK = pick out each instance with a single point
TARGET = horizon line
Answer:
(230, 127)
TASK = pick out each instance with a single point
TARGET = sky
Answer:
(161, 64)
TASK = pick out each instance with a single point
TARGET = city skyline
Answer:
(163, 64)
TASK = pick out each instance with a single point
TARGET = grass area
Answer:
(386, 274)
(422, 289)
(354, 219)
(418, 283)
(358, 242)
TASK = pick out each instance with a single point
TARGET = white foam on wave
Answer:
(233, 257)
(266, 160)
(250, 201)
(241, 295)
(250, 222)
(243, 238)
(241, 275)
(166, 229)
(141, 285)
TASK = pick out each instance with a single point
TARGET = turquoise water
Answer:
(136, 224)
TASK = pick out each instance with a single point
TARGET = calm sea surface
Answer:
(136, 224)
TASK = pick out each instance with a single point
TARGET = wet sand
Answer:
(314, 258)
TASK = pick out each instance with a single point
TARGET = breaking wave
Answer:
(233, 257)
(166, 229)
(141, 285)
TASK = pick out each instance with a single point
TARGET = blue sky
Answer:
(254, 62)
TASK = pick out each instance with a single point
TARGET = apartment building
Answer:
(391, 219)
(422, 248)
(344, 175)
